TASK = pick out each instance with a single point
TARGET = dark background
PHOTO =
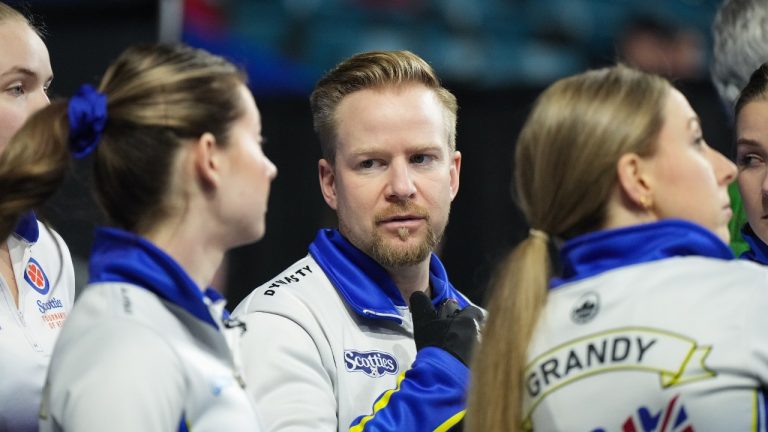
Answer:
(84, 36)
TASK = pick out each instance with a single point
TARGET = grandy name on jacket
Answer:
(605, 354)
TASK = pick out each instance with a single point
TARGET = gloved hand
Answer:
(449, 328)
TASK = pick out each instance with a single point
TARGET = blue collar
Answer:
(758, 250)
(121, 256)
(365, 285)
(27, 227)
(594, 253)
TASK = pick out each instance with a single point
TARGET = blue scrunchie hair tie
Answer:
(87, 113)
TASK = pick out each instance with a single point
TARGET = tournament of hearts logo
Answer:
(35, 277)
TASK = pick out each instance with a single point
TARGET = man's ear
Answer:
(207, 160)
(327, 175)
(455, 171)
(635, 180)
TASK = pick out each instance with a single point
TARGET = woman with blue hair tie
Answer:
(37, 282)
(175, 138)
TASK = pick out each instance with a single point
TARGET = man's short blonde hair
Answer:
(375, 69)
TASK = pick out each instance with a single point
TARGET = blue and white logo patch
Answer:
(375, 364)
(35, 276)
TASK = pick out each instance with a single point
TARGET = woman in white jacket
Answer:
(37, 283)
(179, 171)
(651, 324)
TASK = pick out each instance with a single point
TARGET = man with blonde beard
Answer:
(335, 346)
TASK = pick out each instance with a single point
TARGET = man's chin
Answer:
(400, 231)
(400, 253)
(402, 238)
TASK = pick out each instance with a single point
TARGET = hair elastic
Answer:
(539, 234)
(87, 115)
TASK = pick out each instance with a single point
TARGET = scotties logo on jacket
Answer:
(372, 363)
(35, 276)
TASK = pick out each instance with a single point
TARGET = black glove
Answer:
(451, 329)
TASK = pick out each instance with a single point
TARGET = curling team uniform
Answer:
(144, 350)
(758, 251)
(330, 347)
(46, 282)
(651, 328)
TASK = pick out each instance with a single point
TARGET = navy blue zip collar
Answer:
(594, 253)
(121, 256)
(758, 250)
(365, 285)
(27, 227)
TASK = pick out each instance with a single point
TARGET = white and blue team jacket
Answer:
(758, 251)
(144, 350)
(653, 327)
(46, 281)
(330, 347)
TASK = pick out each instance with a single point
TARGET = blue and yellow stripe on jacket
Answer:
(430, 396)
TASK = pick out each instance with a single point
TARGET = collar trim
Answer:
(758, 250)
(597, 252)
(27, 227)
(365, 285)
(122, 256)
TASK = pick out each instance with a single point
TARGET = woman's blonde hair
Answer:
(14, 198)
(9, 13)
(565, 173)
(158, 97)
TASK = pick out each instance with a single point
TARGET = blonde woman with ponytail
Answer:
(37, 282)
(651, 325)
(175, 139)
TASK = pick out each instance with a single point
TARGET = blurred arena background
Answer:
(495, 55)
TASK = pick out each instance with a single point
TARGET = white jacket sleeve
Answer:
(755, 334)
(285, 375)
(119, 378)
